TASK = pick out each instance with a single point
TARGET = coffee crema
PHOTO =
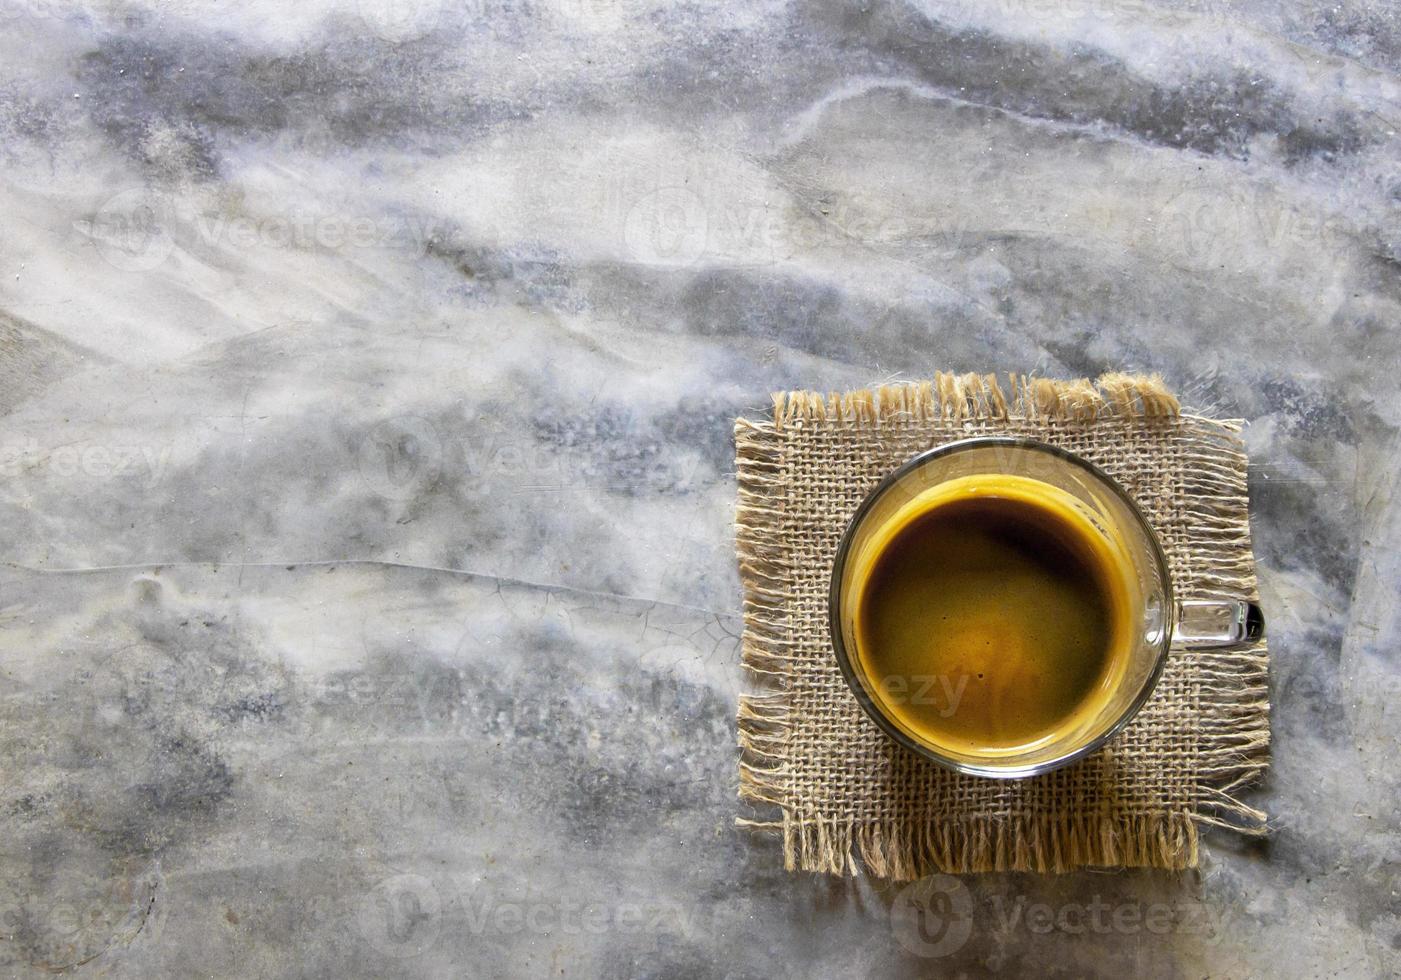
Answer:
(992, 616)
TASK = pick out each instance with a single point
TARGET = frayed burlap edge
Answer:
(968, 396)
(1234, 698)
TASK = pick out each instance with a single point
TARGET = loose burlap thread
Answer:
(838, 789)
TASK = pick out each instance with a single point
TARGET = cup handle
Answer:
(1217, 623)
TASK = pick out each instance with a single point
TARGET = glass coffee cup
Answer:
(1002, 607)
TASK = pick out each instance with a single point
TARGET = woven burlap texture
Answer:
(837, 789)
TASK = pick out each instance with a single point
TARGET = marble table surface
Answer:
(368, 604)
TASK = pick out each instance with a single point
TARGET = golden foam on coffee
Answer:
(991, 615)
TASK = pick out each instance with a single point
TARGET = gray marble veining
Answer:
(367, 372)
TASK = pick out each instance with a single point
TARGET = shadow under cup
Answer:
(1088, 505)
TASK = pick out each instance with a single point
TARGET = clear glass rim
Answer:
(874, 711)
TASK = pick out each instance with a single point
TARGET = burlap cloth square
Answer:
(841, 787)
